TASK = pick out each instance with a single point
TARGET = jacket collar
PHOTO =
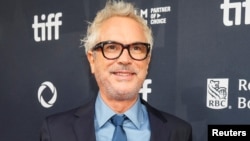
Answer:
(157, 122)
(84, 123)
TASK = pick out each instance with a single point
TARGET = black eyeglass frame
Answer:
(102, 44)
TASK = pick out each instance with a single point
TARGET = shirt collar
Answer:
(103, 113)
(135, 114)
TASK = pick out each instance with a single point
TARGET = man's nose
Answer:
(125, 57)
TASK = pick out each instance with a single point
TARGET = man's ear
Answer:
(91, 59)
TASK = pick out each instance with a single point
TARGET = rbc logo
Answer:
(217, 93)
(41, 29)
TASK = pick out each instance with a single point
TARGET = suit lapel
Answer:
(84, 123)
(158, 128)
(157, 124)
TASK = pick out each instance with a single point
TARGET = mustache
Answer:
(123, 68)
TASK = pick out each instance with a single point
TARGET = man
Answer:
(118, 47)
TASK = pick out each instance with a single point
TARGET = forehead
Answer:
(122, 29)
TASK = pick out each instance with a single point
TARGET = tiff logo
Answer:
(236, 7)
(45, 26)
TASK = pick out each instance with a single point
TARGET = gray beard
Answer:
(120, 95)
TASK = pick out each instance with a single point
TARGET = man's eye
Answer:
(137, 48)
(112, 47)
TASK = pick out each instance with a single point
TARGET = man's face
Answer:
(121, 78)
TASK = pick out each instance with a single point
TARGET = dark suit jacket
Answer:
(78, 125)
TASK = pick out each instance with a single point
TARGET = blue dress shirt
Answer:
(137, 126)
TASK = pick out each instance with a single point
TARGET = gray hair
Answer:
(111, 9)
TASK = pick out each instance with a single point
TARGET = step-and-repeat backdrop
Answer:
(200, 69)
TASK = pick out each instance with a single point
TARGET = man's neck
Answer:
(119, 106)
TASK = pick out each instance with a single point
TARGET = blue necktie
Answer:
(119, 133)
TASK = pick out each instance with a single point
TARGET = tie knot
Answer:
(117, 120)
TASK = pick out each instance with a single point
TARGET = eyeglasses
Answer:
(112, 50)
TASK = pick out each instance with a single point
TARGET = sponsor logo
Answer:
(217, 93)
(49, 103)
(156, 15)
(145, 90)
(244, 88)
(43, 29)
(236, 9)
